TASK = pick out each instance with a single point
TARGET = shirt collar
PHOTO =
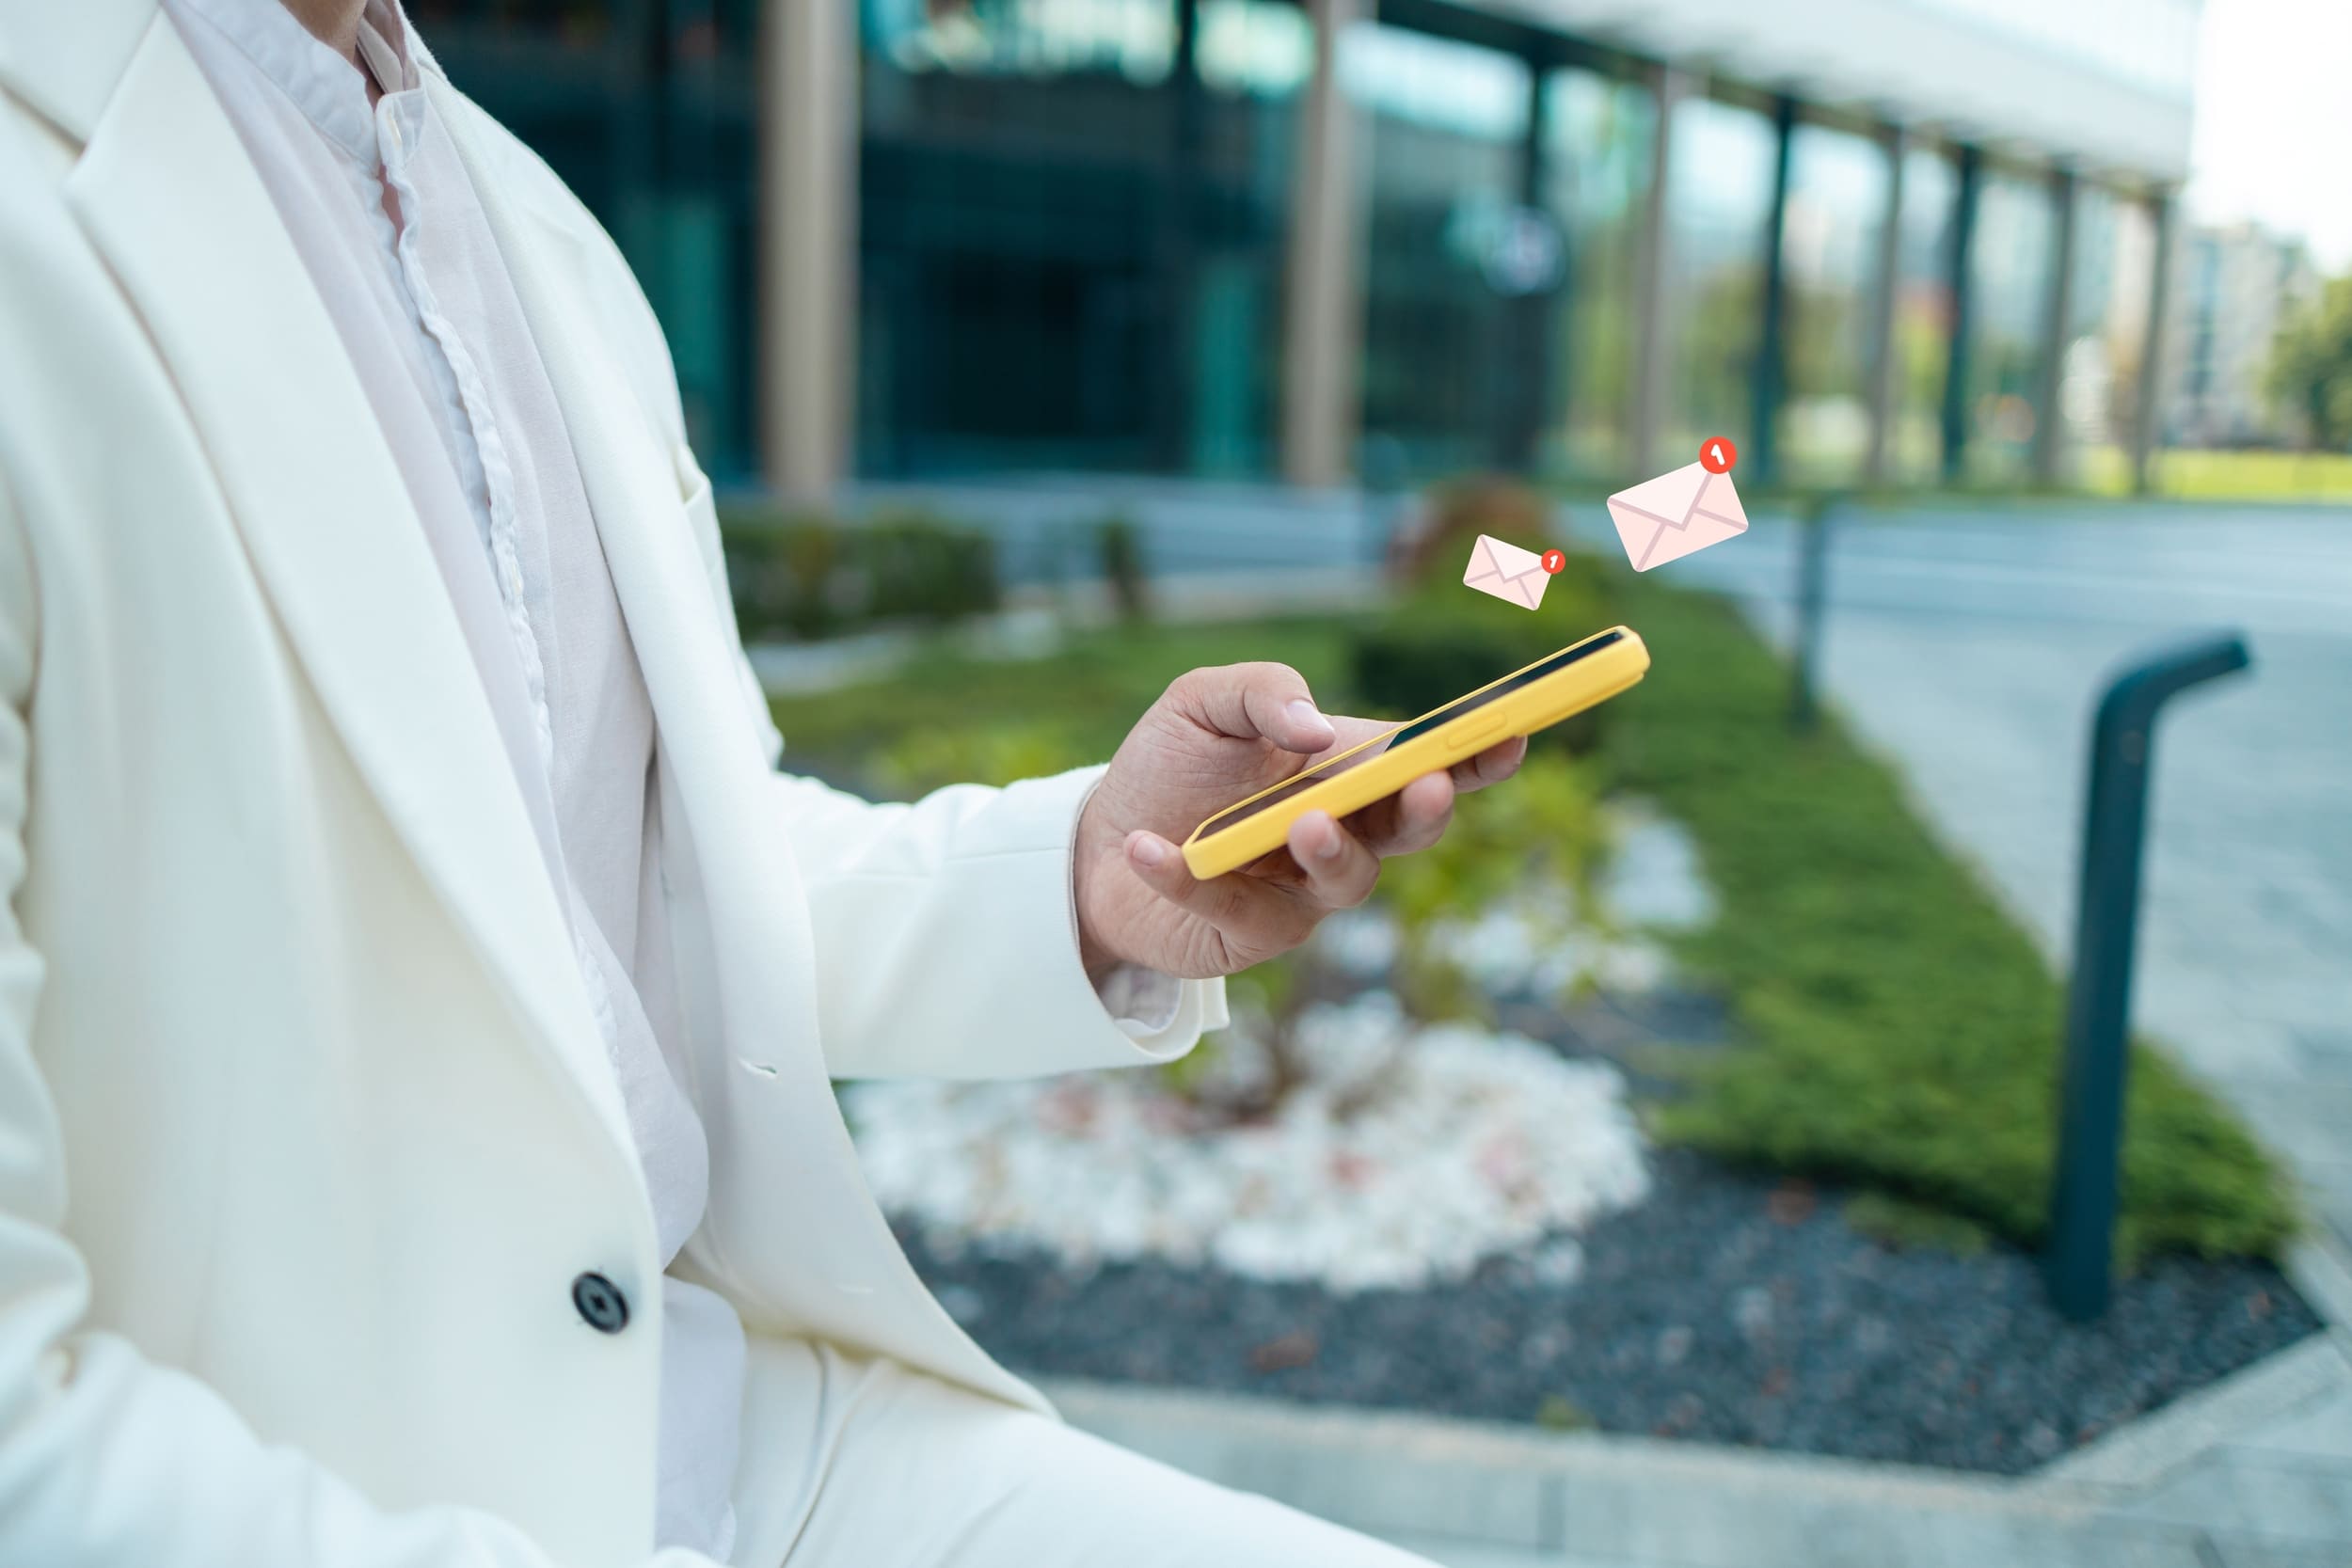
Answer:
(328, 89)
(387, 46)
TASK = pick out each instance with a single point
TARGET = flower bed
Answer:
(1406, 1155)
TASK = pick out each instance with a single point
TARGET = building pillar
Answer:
(1770, 385)
(2049, 423)
(1886, 351)
(1322, 322)
(1650, 367)
(1964, 199)
(808, 147)
(2147, 417)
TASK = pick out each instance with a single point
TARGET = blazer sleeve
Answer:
(108, 1459)
(947, 936)
(945, 931)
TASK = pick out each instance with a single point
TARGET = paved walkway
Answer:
(1971, 646)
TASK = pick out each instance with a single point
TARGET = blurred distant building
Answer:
(2236, 283)
(1253, 239)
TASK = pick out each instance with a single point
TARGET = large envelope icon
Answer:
(1670, 516)
(1509, 573)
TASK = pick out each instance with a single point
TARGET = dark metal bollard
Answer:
(1812, 608)
(2098, 1005)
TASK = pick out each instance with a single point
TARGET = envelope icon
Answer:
(1670, 516)
(1509, 573)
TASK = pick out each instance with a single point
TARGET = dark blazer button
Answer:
(600, 1302)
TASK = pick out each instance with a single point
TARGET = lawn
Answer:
(1900, 1033)
(2274, 476)
(1083, 697)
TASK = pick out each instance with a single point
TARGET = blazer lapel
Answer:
(749, 882)
(165, 192)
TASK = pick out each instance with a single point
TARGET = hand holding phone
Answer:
(1542, 694)
(1301, 808)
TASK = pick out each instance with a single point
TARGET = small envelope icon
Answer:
(1509, 573)
(1670, 516)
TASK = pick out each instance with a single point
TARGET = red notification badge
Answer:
(1553, 560)
(1717, 454)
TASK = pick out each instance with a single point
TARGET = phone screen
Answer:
(1315, 773)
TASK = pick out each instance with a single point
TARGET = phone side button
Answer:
(1471, 741)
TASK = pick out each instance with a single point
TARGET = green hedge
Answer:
(809, 577)
(1902, 1033)
(1445, 639)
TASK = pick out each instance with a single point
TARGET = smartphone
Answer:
(1553, 688)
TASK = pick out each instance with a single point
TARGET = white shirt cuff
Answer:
(1142, 1002)
(1162, 1014)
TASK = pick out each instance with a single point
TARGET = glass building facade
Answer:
(1073, 220)
(1070, 242)
(1599, 129)
(1452, 248)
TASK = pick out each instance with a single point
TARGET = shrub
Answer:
(924, 568)
(805, 577)
(781, 573)
(1455, 512)
(1544, 831)
(923, 760)
(1123, 567)
(1445, 639)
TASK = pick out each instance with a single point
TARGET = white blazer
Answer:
(306, 1130)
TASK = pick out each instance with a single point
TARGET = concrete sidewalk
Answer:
(2252, 1472)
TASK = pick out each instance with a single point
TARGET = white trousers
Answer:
(901, 1470)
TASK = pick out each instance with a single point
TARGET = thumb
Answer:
(1249, 701)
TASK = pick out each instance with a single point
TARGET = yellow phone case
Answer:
(1589, 672)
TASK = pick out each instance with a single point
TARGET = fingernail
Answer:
(1147, 851)
(1303, 714)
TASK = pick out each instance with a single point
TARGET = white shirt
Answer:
(393, 236)
(428, 314)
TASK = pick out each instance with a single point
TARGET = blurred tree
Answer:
(2310, 366)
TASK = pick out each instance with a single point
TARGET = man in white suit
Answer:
(417, 987)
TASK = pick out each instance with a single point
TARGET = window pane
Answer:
(2008, 271)
(1600, 130)
(1836, 213)
(1923, 316)
(1066, 257)
(1719, 200)
(1448, 124)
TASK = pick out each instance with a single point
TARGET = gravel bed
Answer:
(1727, 1308)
